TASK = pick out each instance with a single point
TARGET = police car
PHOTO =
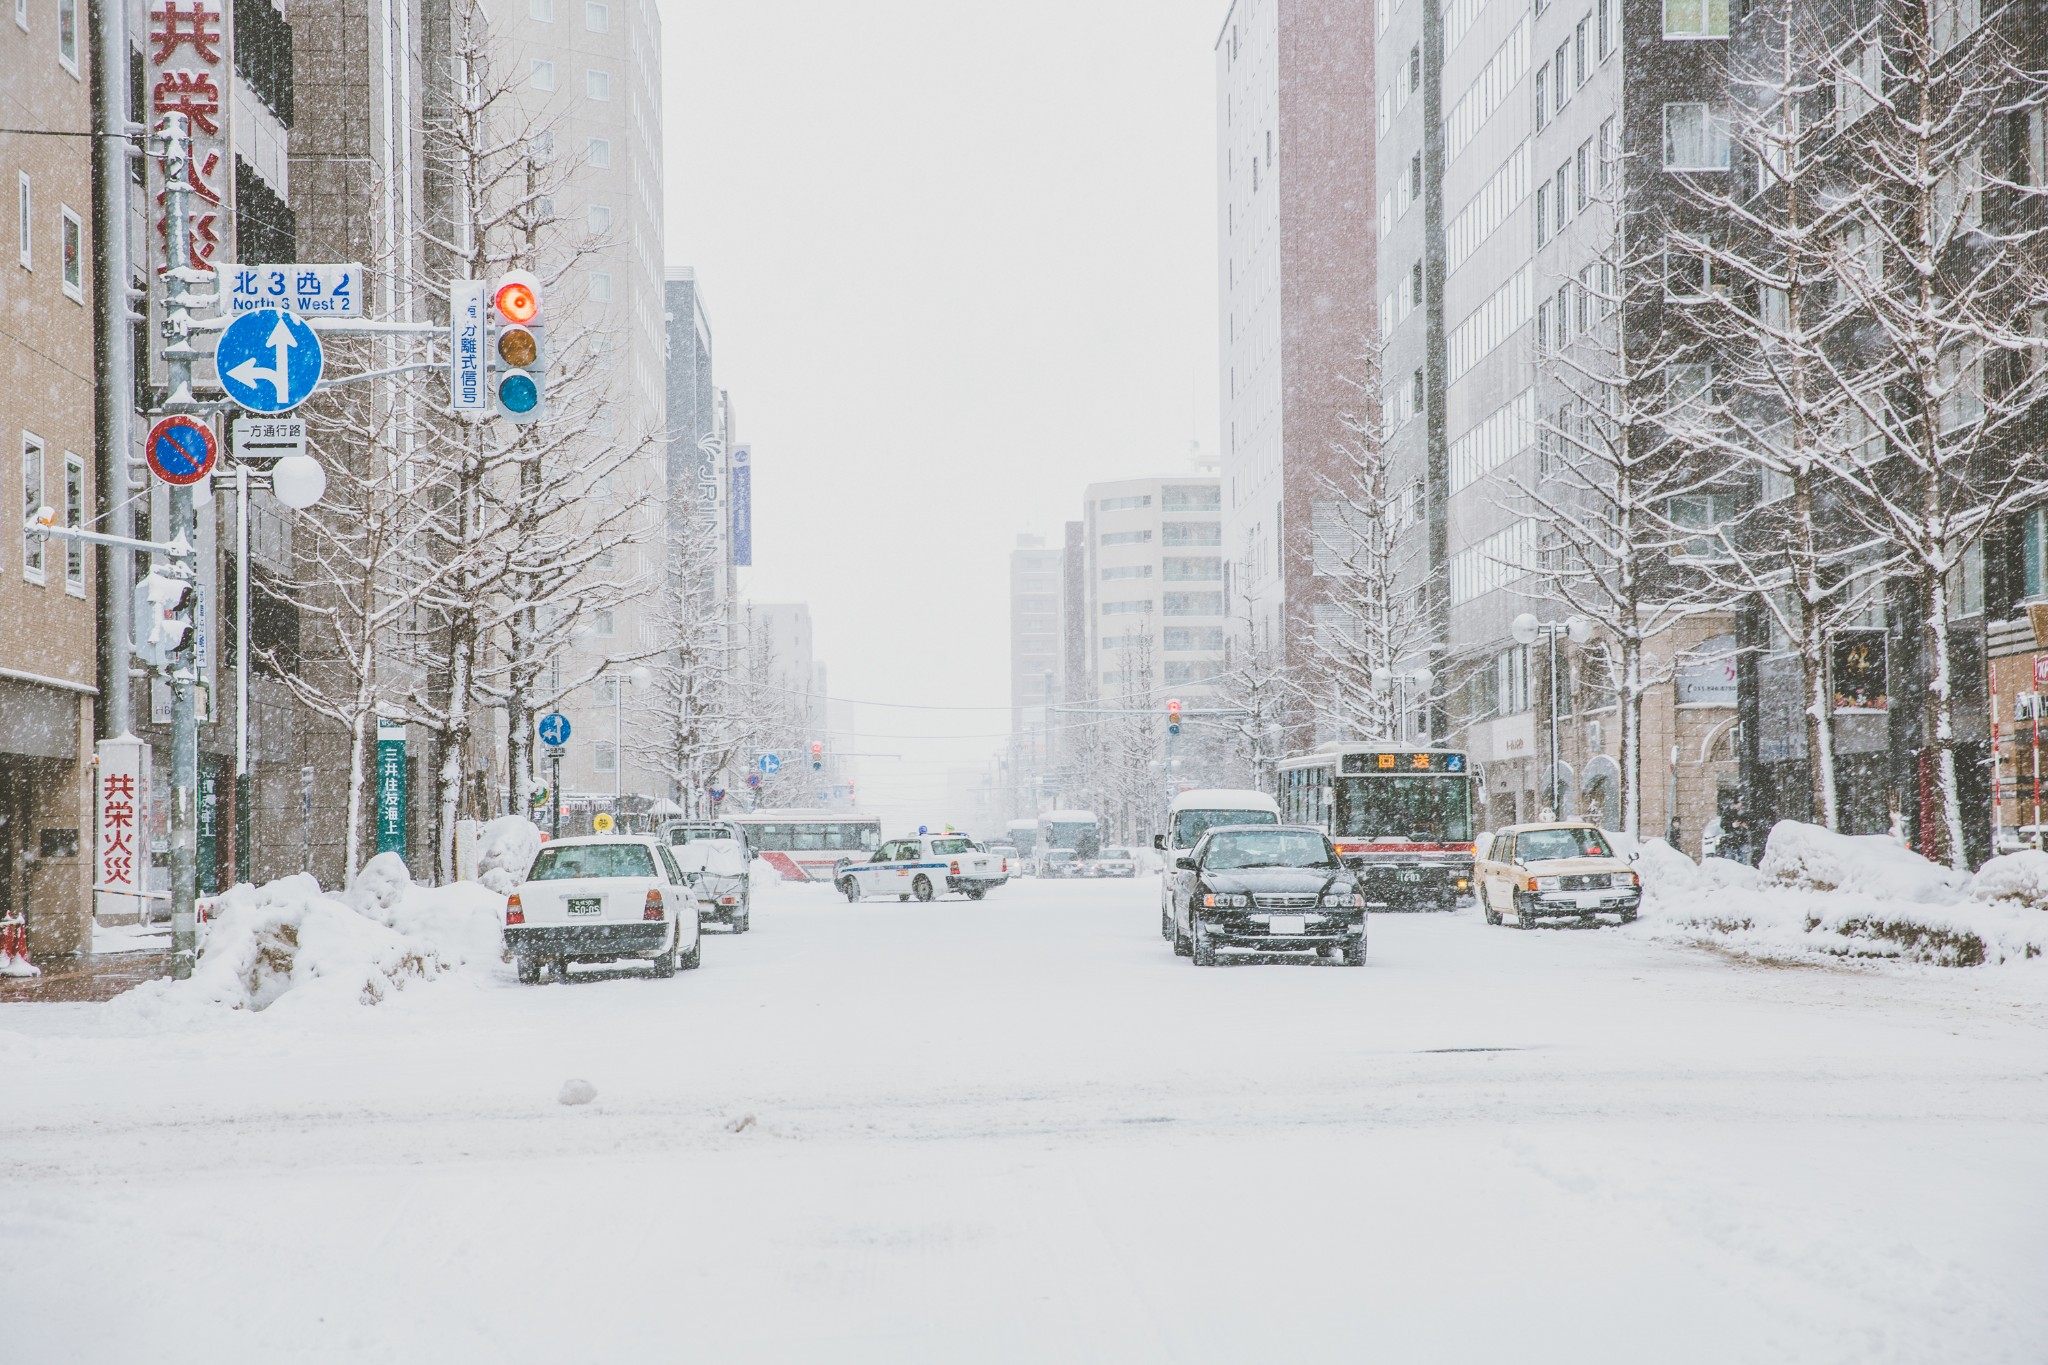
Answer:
(923, 865)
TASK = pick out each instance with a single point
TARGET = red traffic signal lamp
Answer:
(518, 347)
(817, 755)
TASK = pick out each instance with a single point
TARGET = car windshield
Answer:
(562, 862)
(693, 834)
(1059, 855)
(1190, 825)
(1541, 845)
(952, 846)
(1261, 848)
(1428, 810)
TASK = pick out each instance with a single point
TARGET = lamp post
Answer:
(1579, 630)
(639, 677)
(1385, 680)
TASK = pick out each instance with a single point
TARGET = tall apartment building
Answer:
(1503, 138)
(1154, 584)
(1034, 664)
(47, 667)
(592, 69)
(1294, 226)
(698, 443)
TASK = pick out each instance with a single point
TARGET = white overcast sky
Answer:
(959, 260)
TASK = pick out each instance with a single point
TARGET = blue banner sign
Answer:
(743, 506)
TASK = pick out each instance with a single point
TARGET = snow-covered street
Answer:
(1023, 1130)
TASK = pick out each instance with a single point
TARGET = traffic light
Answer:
(519, 352)
(817, 755)
(1173, 716)
(163, 617)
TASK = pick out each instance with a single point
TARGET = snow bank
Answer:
(1846, 896)
(290, 943)
(505, 852)
(1816, 859)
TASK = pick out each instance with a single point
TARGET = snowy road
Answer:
(1024, 1131)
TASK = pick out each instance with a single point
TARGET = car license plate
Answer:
(1287, 924)
(585, 905)
(1408, 874)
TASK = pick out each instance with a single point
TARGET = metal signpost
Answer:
(554, 732)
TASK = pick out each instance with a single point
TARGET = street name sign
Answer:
(322, 291)
(180, 450)
(269, 438)
(467, 389)
(554, 729)
(269, 361)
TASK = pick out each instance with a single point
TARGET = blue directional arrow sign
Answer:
(269, 361)
(554, 729)
(771, 764)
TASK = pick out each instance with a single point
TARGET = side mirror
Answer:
(692, 878)
(1159, 842)
(1184, 864)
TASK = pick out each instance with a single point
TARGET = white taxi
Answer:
(1555, 870)
(602, 899)
(922, 865)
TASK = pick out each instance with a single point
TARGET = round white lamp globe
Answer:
(298, 481)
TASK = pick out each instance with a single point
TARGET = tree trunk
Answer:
(1941, 703)
(1631, 734)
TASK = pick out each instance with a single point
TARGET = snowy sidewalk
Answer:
(89, 977)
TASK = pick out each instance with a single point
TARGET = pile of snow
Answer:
(1816, 859)
(1842, 895)
(290, 943)
(505, 850)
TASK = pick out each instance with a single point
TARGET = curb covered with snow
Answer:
(1849, 896)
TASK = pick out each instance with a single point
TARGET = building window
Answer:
(1695, 18)
(600, 286)
(1543, 213)
(1694, 139)
(1542, 97)
(541, 75)
(21, 15)
(1687, 273)
(2034, 551)
(599, 220)
(1607, 151)
(1127, 571)
(597, 84)
(32, 547)
(1954, 20)
(604, 623)
(1560, 75)
(598, 152)
(1188, 639)
(1603, 23)
(542, 11)
(606, 756)
(74, 517)
(25, 220)
(1125, 537)
(1415, 68)
(1582, 170)
(1189, 533)
(1966, 582)
(71, 237)
(1191, 569)
(1580, 67)
(67, 34)
(1859, 81)
(1123, 504)
(1561, 193)
(1707, 512)
(1194, 604)
(1131, 606)
(597, 18)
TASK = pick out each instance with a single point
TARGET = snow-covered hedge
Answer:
(1862, 896)
(288, 942)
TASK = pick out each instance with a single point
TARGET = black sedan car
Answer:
(1269, 888)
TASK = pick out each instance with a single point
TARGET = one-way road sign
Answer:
(269, 361)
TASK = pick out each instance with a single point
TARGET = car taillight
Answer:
(1006, 867)
(653, 910)
(955, 868)
(514, 914)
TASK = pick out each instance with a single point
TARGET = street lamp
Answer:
(1385, 680)
(1578, 630)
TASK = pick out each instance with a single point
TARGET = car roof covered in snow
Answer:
(1223, 798)
(1549, 824)
(576, 840)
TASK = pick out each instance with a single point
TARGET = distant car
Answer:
(1555, 870)
(1268, 888)
(718, 853)
(920, 865)
(1007, 852)
(1114, 862)
(604, 898)
(1061, 862)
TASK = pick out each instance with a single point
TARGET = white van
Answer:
(1191, 815)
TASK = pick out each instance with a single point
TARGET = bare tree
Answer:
(1259, 694)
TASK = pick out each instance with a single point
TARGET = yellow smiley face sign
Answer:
(602, 823)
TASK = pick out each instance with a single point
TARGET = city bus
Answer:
(1067, 841)
(804, 845)
(1399, 813)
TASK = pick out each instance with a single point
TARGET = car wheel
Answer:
(975, 893)
(693, 959)
(665, 965)
(741, 919)
(1166, 924)
(1628, 917)
(1492, 915)
(1525, 914)
(850, 889)
(1181, 946)
(922, 888)
(901, 899)
(528, 967)
(1204, 949)
(1354, 952)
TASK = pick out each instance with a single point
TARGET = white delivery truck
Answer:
(1194, 813)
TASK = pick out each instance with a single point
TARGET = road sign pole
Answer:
(555, 791)
(174, 139)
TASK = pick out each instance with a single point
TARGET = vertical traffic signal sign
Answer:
(817, 755)
(519, 353)
(1173, 716)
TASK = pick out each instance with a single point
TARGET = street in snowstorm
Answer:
(1022, 1129)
